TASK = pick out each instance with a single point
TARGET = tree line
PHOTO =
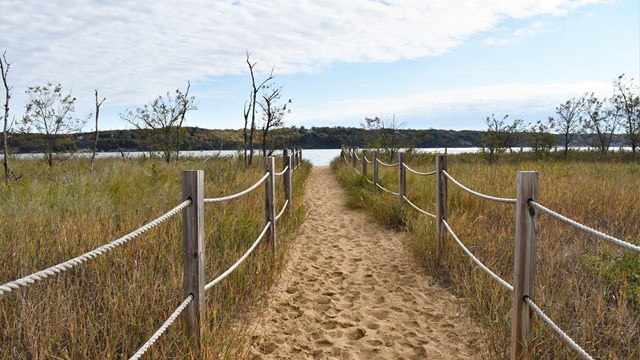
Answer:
(49, 126)
(587, 120)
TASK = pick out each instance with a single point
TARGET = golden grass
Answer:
(588, 287)
(107, 308)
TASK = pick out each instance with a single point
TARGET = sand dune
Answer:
(350, 291)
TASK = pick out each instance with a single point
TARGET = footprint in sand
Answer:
(350, 292)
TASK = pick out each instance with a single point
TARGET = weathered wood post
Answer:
(375, 169)
(269, 200)
(402, 177)
(441, 203)
(286, 163)
(364, 163)
(193, 254)
(524, 271)
(355, 157)
(293, 154)
(288, 183)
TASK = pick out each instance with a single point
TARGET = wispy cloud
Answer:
(520, 100)
(134, 50)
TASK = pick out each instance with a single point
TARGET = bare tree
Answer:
(97, 134)
(245, 135)
(162, 121)
(600, 121)
(501, 135)
(254, 98)
(4, 70)
(568, 121)
(627, 102)
(272, 114)
(49, 114)
(386, 137)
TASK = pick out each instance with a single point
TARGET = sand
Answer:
(351, 291)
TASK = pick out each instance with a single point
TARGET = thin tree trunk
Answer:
(95, 140)
(124, 158)
(4, 69)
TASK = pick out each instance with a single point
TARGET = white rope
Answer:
(585, 228)
(418, 172)
(488, 197)
(367, 160)
(286, 203)
(253, 187)
(162, 329)
(478, 262)
(234, 266)
(388, 165)
(356, 155)
(282, 172)
(369, 181)
(359, 173)
(389, 191)
(417, 208)
(572, 344)
(56, 269)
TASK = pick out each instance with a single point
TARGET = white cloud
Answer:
(135, 50)
(520, 100)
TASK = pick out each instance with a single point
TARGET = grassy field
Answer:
(107, 308)
(588, 287)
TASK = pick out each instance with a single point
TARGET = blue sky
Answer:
(430, 63)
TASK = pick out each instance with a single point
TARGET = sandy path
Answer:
(350, 291)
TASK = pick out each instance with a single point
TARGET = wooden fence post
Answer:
(193, 254)
(375, 169)
(364, 163)
(286, 162)
(402, 178)
(441, 204)
(524, 271)
(269, 200)
(355, 157)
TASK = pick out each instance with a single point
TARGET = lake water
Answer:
(317, 157)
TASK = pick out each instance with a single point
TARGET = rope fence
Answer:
(241, 193)
(475, 259)
(615, 241)
(70, 264)
(237, 263)
(152, 340)
(488, 197)
(523, 286)
(418, 172)
(192, 208)
(284, 207)
(417, 208)
(389, 191)
(387, 165)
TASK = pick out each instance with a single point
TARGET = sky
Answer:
(429, 63)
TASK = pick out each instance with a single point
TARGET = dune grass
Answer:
(589, 288)
(107, 308)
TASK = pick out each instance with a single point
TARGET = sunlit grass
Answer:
(588, 287)
(107, 308)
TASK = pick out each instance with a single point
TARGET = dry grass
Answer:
(107, 308)
(589, 288)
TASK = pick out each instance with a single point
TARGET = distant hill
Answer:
(309, 138)
(208, 139)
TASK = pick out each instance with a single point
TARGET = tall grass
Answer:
(107, 308)
(588, 287)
